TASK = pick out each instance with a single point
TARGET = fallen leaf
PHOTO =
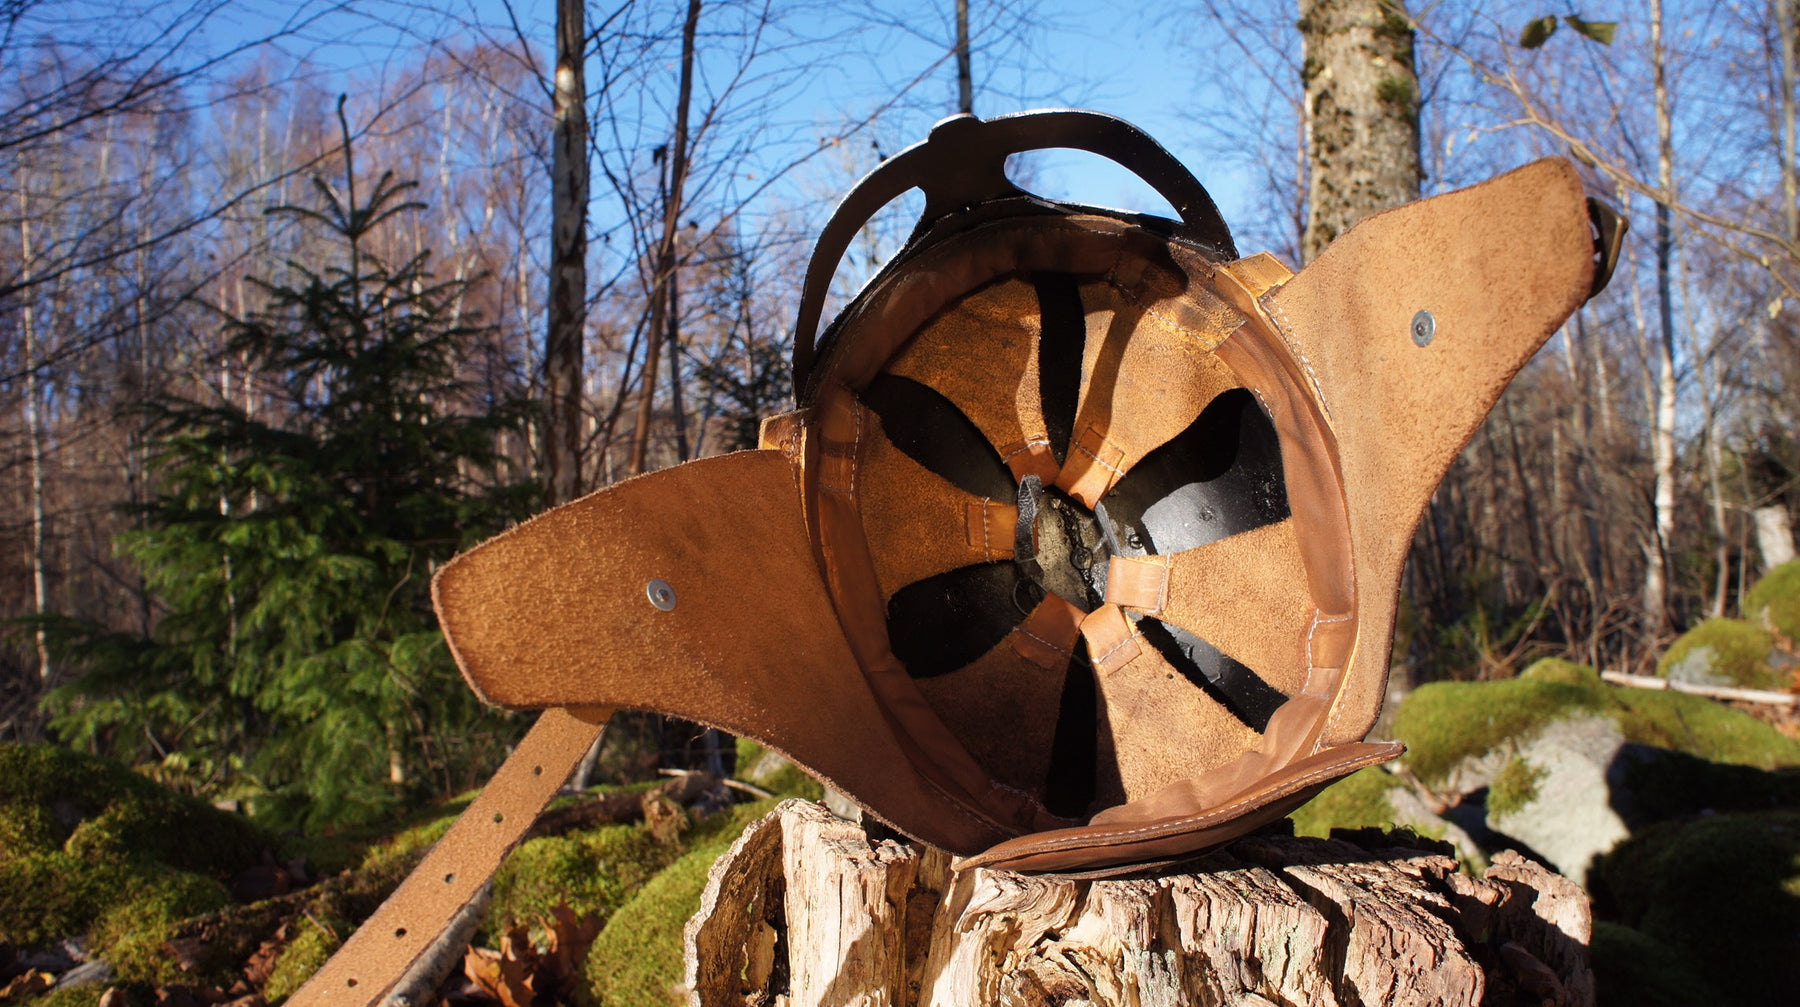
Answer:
(27, 984)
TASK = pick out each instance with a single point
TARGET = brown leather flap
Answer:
(559, 612)
(1409, 326)
(1139, 841)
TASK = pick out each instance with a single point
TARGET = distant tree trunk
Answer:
(565, 331)
(1790, 186)
(1656, 573)
(965, 80)
(568, 261)
(664, 280)
(1362, 112)
(1361, 125)
(1774, 535)
(34, 433)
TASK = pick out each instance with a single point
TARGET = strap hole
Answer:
(400, 932)
(449, 878)
(537, 770)
(349, 982)
(497, 817)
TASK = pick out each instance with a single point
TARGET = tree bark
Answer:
(965, 80)
(807, 910)
(34, 433)
(1362, 113)
(1656, 576)
(663, 282)
(568, 260)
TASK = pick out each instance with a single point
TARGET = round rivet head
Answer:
(1423, 328)
(661, 595)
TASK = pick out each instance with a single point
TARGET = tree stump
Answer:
(807, 911)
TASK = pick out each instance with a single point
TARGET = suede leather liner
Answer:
(842, 547)
(1163, 347)
(1145, 376)
(554, 613)
(1002, 319)
(1236, 593)
(927, 526)
(1500, 266)
(1165, 729)
(1479, 260)
(1006, 705)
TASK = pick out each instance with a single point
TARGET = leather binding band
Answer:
(380, 952)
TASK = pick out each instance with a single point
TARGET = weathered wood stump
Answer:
(805, 910)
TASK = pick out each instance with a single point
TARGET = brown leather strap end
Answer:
(375, 957)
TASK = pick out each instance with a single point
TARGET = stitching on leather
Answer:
(1103, 463)
(1023, 447)
(1285, 327)
(1189, 824)
(1319, 617)
(856, 450)
(1047, 643)
(1133, 638)
(1206, 340)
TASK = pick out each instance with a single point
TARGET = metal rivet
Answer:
(661, 595)
(1423, 328)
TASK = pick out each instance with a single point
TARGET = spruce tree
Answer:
(297, 660)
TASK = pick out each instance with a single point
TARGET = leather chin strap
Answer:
(384, 947)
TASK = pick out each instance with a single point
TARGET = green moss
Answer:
(1357, 801)
(1396, 91)
(1723, 652)
(788, 781)
(1443, 723)
(1515, 787)
(637, 959)
(1658, 785)
(51, 794)
(1635, 970)
(303, 955)
(87, 846)
(592, 872)
(136, 995)
(130, 933)
(1725, 889)
(1775, 601)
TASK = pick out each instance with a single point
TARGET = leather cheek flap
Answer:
(1408, 328)
(566, 610)
(692, 589)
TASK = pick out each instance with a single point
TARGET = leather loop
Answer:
(378, 953)
(962, 163)
(1139, 582)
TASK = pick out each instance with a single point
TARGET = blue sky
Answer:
(1065, 54)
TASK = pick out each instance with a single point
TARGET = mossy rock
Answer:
(1729, 652)
(788, 780)
(1636, 970)
(593, 872)
(1444, 723)
(1774, 602)
(88, 846)
(1514, 788)
(1724, 889)
(637, 959)
(1357, 801)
